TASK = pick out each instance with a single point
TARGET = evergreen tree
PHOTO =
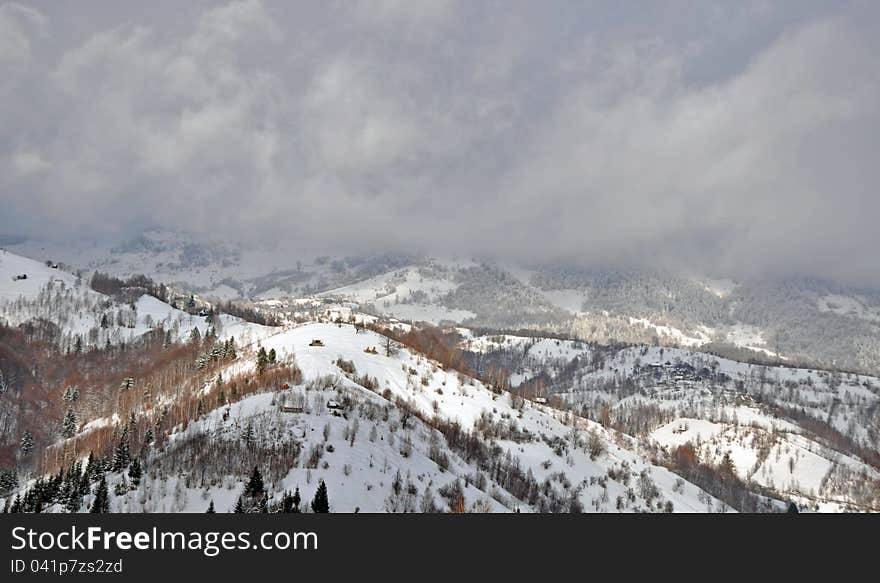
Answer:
(262, 361)
(210, 509)
(249, 434)
(726, 467)
(101, 504)
(27, 443)
(74, 502)
(296, 501)
(321, 504)
(8, 481)
(86, 476)
(122, 455)
(135, 473)
(272, 356)
(68, 424)
(286, 503)
(229, 349)
(239, 506)
(255, 485)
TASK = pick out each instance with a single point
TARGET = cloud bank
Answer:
(734, 138)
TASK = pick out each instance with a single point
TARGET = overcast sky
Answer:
(732, 137)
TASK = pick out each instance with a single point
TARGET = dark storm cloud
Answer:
(728, 137)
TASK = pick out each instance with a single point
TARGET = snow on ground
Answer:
(78, 310)
(427, 387)
(431, 313)
(847, 306)
(787, 462)
(358, 473)
(152, 312)
(750, 337)
(683, 430)
(396, 286)
(674, 334)
(407, 294)
(38, 277)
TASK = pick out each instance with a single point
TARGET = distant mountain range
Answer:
(785, 319)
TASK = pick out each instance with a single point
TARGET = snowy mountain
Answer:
(798, 320)
(807, 434)
(58, 304)
(393, 416)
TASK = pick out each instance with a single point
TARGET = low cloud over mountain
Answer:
(732, 138)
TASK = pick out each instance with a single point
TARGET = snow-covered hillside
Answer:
(590, 426)
(396, 432)
(805, 321)
(546, 444)
(798, 432)
(24, 278)
(31, 291)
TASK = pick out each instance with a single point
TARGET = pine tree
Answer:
(8, 481)
(286, 503)
(68, 424)
(27, 443)
(101, 504)
(87, 474)
(249, 434)
(272, 356)
(321, 504)
(122, 455)
(229, 349)
(262, 361)
(74, 502)
(239, 506)
(296, 501)
(135, 473)
(210, 509)
(255, 485)
(727, 468)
